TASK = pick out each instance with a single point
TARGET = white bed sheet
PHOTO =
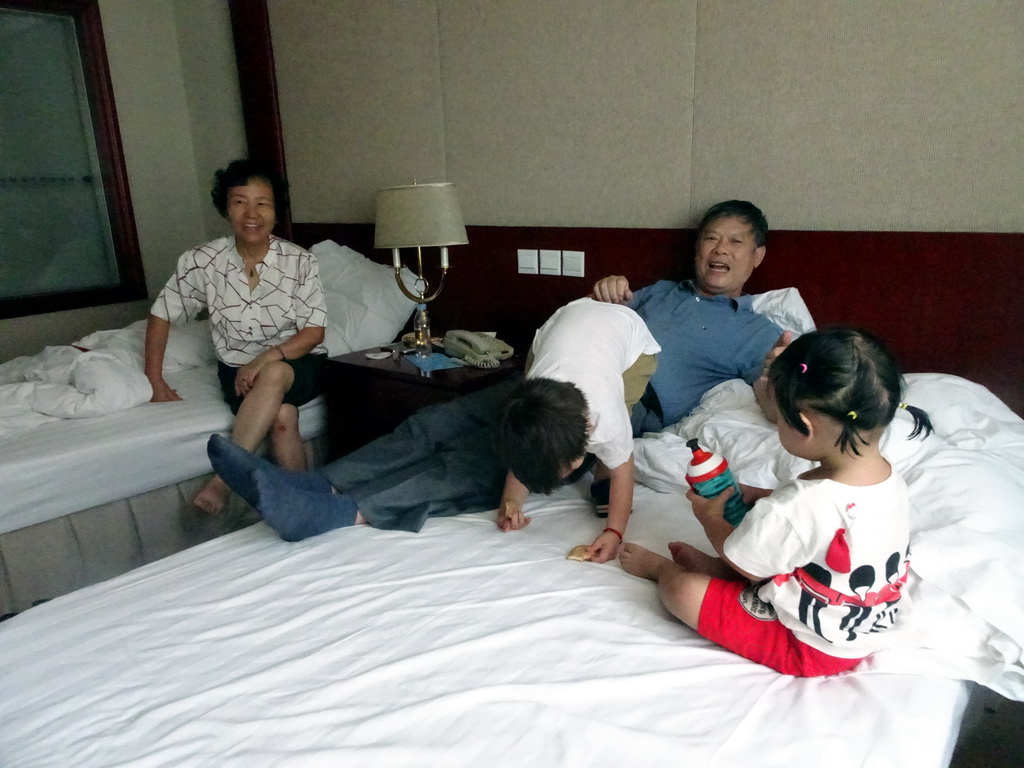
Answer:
(966, 483)
(456, 646)
(66, 465)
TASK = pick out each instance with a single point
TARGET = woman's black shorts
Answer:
(307, 385)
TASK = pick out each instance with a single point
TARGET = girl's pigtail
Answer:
(922, 422)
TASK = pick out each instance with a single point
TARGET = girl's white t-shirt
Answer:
(795, 528)
(591, 344)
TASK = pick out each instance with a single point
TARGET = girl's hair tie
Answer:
(903, 405)
(852, 415)
(803, 367)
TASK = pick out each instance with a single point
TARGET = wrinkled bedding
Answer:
(98, 375)
(464, 646)
(67, 383)
(966, 483)
(52, 466)
(456, 646)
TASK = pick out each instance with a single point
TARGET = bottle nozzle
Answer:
(699, 454)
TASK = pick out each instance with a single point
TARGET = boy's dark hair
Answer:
(238, 173)
(740, 209)
(847, 374)
(543, 429)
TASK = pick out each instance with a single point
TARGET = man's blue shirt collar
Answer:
(745, 301)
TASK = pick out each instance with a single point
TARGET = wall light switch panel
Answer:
(550, 262)
(527, 261)
(572, 263)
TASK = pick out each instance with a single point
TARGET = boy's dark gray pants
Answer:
(440, 461)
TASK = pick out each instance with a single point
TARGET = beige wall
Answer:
(866, 115)
(176, 91)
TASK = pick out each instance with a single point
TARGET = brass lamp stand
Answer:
(419, 216)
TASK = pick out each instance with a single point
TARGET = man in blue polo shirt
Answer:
(706, 328)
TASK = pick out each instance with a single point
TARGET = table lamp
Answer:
(419, 216)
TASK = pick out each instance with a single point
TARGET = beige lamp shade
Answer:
(419, 215)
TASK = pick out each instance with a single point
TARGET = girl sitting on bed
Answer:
(812, 579)
(267, 317)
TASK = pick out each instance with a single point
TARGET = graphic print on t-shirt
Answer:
(863, 600)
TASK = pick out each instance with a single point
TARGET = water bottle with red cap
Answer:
(709, 475)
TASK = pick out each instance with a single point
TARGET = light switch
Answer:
(572, 263)
(550, 262)
(527, 261)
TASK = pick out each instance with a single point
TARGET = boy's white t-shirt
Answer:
(794, 528)
(591, 344)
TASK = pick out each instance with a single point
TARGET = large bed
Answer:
(97, 481)
(465, 646)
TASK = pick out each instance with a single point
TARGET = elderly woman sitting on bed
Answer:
(267, 316)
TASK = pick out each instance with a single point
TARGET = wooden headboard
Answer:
(944, 302)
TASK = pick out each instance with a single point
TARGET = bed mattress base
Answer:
(52, 558)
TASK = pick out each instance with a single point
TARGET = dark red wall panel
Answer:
(945, 302)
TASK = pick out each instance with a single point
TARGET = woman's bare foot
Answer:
(642, 562)
(213, 497)
(695, 561)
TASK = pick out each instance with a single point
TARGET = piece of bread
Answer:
(579, 553)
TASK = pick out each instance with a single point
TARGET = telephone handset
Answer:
(477, 349)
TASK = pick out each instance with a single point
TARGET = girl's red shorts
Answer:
(747, 626)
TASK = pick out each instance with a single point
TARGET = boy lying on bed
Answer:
(438, 460)
(589, 364)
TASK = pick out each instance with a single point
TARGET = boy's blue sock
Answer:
(297, 514)
(235, 465)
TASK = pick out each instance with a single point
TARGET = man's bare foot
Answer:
(213, 497)
(642, 562)
(695, 561)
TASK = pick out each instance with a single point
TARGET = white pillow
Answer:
(785, 308)
(365, 306)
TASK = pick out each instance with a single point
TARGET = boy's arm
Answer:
(510, 511)
(620, 504)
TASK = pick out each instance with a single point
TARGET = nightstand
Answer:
(368, 398)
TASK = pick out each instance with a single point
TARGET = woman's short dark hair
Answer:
(846, 374)
(739, 209)
(542, 431)
(238, 173)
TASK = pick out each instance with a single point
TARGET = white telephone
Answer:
(477, 349)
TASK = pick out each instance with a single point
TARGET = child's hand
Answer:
(708, 510)
(752, 493)
(511, 517)
(604, 548)
(777, 349)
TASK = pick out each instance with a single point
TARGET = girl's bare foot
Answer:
(695, 561)
(213, 497)
(642, 562)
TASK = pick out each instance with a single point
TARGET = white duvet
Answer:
(98, 375)
(967, 485)
(464, 646)
(458, 646)
(67, 383)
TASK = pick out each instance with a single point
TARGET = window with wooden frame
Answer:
(67, 231)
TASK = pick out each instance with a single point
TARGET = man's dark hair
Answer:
(739, 209)
(238, 173)
(542, 431)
